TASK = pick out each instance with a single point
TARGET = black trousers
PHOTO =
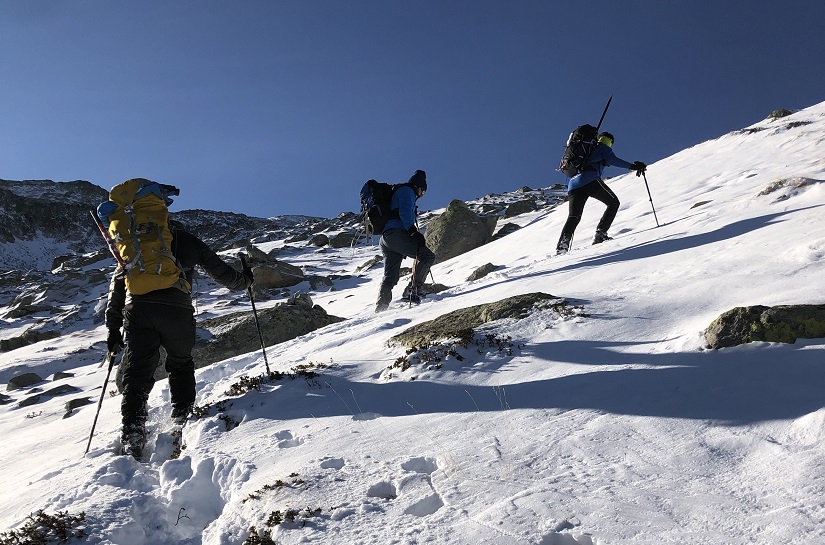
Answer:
(578, 197)
(148, 326)
(396, 244)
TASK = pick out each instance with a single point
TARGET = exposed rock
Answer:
(236, 334)
(277, 275)
(73, 404)
(319, 240)
(342, 240)
(23, 381)
(481, 272)
(31, 336)
(458, 230)
(62, 375)
(782, 112)
(300, 299)
(56, 391)
(453, 324)
(505, 230)
(315, 282)
(520, 207)
(376, 259)
(258, 257)
(784, 324)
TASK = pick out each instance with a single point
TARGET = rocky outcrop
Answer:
(277, 274)
(481, 272)
(784, 324)
(228, 336)
(458, 230)
(455, 324)
(23, 380)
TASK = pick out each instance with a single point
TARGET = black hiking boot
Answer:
(601, 236)
(133, 440)
(563, 246)
(411, 294)
(180, 414)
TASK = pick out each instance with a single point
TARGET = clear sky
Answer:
(287, 107)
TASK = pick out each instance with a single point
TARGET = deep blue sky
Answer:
(287, 107)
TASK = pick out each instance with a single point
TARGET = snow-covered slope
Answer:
(610, 425)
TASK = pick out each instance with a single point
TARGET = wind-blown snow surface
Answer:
(612, 426)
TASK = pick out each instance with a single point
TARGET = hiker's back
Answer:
(136, 217)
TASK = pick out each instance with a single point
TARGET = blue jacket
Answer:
(403, 200)
(600, 158)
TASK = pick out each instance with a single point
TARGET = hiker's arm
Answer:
(116, 301)
(612, 160)
(218, 269)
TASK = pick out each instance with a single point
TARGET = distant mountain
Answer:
(42, 222)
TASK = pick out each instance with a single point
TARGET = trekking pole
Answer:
(651, 199)
(111, 356)
(413, 287)
(255, 313)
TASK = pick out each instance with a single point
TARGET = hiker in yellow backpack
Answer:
(149, 298)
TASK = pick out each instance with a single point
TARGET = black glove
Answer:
(114, 342)
(419, 239)
(639, 167)
(247, 272)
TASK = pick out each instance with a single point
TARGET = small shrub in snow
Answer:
(274, 486)
(254, 538)
(42, 528)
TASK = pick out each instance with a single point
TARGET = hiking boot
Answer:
(133, 440)
(180, 414)
(563, 246)
(601, 236)
(413, 298)
(405, 296)
(383, 302)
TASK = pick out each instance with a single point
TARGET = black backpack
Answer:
(375, 205)
(580, 145)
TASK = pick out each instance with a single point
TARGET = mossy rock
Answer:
(455, 324)
(783, 324)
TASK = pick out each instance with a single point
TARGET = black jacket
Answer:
(189, 250)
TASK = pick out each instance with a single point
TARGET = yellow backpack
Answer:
(136, 217)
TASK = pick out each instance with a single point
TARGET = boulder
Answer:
(32, 336)
(375, 260)
(319, 240)
(505, 230)
(458, 230)
(455, 324)
(277, 274)
(520, 207)
(228, 336)
(56, 391)
(784, 324)
(481, 272)
(23, 381)
(342, 240)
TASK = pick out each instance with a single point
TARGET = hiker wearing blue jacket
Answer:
(401, 238)
(589, 183)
